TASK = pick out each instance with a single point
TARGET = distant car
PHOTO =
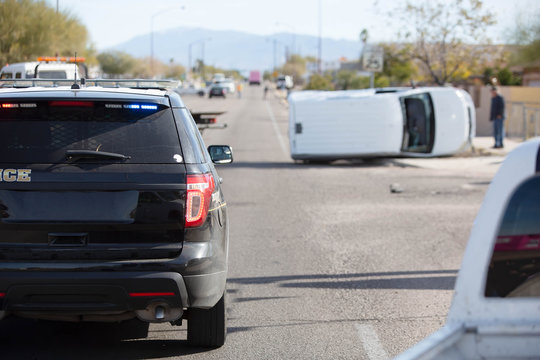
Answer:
(228, 83)
(421, 122)
(218, 77)
(284, 82)
(217, 90)
(191, 90)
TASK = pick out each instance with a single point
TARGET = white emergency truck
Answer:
(45, 68)
(495, 312)
(422, 122)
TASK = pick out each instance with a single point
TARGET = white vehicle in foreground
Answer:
(495, 312)
(422, 122)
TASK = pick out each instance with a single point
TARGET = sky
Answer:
(112, 22)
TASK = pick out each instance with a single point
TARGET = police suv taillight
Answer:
(199, 196)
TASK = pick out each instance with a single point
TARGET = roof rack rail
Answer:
(107, 83)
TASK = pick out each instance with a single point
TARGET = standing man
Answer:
(497, 116)
(239, 89)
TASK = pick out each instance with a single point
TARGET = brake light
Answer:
(151, 294)
(199, 195)
(517, 243)
(2, 294)
(72, 103)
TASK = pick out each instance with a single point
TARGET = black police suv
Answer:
(111, 209)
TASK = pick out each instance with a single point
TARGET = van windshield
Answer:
(419, 124)
(45, 131)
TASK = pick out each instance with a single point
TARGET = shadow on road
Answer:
(391, 280)
(311, 165)
(413, 283)
(44, 340)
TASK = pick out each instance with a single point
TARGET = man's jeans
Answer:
(498, 131)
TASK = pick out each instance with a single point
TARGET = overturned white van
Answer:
(421, 122)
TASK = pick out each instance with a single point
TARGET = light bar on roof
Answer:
(141, 106)
(9, 106)
(15, 105)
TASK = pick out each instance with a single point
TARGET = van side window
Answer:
(514, 269)
(17, 75)
(6, 76)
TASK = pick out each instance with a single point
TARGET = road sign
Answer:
(373, 59)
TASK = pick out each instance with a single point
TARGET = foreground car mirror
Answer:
(220, 154)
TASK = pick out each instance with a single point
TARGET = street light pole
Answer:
(189, 53)
(293, 45)
(275, 64)
(152, 34)
(319, 60)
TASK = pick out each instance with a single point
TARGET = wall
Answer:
(522, 110)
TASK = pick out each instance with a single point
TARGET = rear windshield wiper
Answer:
(91, 154)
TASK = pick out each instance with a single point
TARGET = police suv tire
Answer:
(207, 327)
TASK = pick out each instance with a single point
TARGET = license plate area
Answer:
(68, 239)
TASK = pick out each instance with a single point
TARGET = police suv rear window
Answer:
(45, 131)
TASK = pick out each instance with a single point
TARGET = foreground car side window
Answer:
(514, 270)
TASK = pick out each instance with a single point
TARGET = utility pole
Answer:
(319, 59)
(152, 34)
(275, 64)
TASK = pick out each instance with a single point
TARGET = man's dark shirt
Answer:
(497, 107)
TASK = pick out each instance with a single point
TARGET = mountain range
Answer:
(233, 49)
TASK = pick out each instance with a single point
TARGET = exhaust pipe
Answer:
(159, 312)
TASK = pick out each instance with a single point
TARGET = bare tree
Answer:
(442, 34)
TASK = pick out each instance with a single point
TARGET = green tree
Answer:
(504, 76)
(398, 69)
(295, 67)
(319, 82)
(359, 82)
(29, 29)
(174, 71)
(439, 31)
(382, 81)
(348, 80)
(116, 63)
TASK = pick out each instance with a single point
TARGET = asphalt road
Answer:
(325, 261)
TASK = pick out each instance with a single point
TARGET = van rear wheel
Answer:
(207, 327)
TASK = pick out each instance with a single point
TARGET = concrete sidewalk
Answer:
(483, 145)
